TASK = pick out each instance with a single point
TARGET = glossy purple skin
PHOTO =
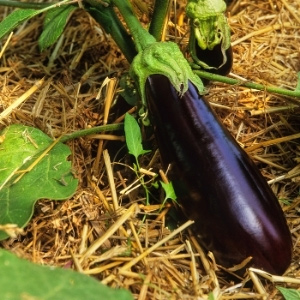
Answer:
(235, 211)
(214, 58)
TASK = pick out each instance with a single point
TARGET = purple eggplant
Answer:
(214, 58)
(218, 186)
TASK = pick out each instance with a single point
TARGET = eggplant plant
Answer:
(236, 213)
(209, 42)
(217, 184)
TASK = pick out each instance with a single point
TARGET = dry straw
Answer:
(106, 230)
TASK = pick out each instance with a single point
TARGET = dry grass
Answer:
(101, 230)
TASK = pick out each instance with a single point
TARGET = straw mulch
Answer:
(101, 230)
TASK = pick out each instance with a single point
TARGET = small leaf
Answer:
(15, 19)
(289, 294)
(54, 24)
(169, 191)
(128, 92)
(21, 279)
(50, 178)
(285, 201)
(211, 296)
(133, 136)
(155, 184)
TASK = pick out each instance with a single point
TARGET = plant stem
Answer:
(31, 5)
(252, 85)
(161, 10)
(110, 22)
(85, 132)
(142, 38)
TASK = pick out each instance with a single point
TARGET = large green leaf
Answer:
(51, 177)
(54, 24)
(18, 16)
(21, 279)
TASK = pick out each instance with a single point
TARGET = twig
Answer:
(111, 181)
(97, 243)
(6, 44)
(274, 141)
(258, 32)
(21, 99)
(158, 244)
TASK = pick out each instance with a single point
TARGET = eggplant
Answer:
(214, 58)
(218, 186)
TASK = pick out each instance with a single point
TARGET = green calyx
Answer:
(205, 36)
(209, 27)
(205, 9)
(164, 58)
(209, 23)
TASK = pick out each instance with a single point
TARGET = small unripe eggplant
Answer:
(210, 36)
(214, 58)
(218, 186)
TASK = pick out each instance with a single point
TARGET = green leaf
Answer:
(169, 191)
(21, 279)
(20, 15)
(289, 294)
(133, 136)
(54, 24)
(128, 90)
(211, 296)
(15, 19)
(285, 201)
(50, 178)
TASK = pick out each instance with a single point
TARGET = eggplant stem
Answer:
(159, 19)
(18, 4)
(111, 23)
(84, 132)
(142, 38)
(252, 85)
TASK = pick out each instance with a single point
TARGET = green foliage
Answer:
(128, 90)
(133, 137)
(289, 294)
(21, 279)
(16, 18)
(50, 178)
(285, 201)
(54, 24)
(211, 296)
(169, 191)
(135, 147)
